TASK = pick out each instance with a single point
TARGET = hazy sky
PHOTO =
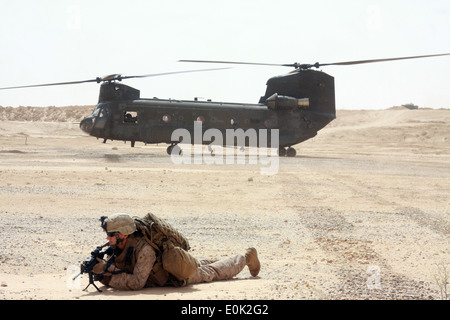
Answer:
(45, 41)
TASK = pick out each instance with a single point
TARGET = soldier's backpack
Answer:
(170, 245)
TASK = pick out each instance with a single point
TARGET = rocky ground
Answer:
(362, 211)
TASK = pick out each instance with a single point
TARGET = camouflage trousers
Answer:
(220, 270)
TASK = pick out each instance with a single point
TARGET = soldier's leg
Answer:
(220, 270)
(227, 268)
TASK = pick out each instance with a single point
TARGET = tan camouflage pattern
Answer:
(146, 259)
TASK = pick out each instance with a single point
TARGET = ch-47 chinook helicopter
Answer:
(298, 104)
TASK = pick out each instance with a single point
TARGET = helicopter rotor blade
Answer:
(348, 63)
(111, 77)
(316, 65)
(247, 63)
(170, 73)
(50, 84)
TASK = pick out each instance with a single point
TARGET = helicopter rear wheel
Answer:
(291, 152)
(174, 149)
(281, 152)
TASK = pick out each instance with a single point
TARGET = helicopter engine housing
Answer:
(277, 102)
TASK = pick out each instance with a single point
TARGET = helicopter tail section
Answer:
(305, 97)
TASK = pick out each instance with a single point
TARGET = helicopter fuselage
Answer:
(298, 105)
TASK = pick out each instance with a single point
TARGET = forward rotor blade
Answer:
(50, 84)
(236, 62)
(169, 73)
(111, 77)
(348, 63)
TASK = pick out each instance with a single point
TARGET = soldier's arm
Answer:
(141, 272)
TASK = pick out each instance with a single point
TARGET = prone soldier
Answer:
(137, 264)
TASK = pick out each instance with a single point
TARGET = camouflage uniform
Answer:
(141, 275)
(144, 268)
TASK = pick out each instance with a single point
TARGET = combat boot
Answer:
(252, 261)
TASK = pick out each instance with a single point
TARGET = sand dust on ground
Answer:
(362, 211)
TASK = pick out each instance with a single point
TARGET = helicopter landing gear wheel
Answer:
(281, 152)
(211, 150)
(291, 152)
(174, 149)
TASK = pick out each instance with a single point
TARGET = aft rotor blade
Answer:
(348, 63)
(248, 63)
(317, 65)
(169, 73)
(50, 84)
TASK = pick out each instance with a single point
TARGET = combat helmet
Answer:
(119, 222)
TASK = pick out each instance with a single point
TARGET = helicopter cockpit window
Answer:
(101, 114)
(104, 113)
(102, 110)
(130, 117)
(96, 111)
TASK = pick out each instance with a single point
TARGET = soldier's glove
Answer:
(100, 267)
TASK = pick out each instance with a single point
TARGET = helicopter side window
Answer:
(130, 117)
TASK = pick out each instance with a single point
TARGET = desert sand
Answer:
(362, 211)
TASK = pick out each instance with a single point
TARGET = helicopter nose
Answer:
(86, 125)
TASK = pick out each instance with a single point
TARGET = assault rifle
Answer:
(89, 263)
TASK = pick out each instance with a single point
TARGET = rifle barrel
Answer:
(76, 276)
